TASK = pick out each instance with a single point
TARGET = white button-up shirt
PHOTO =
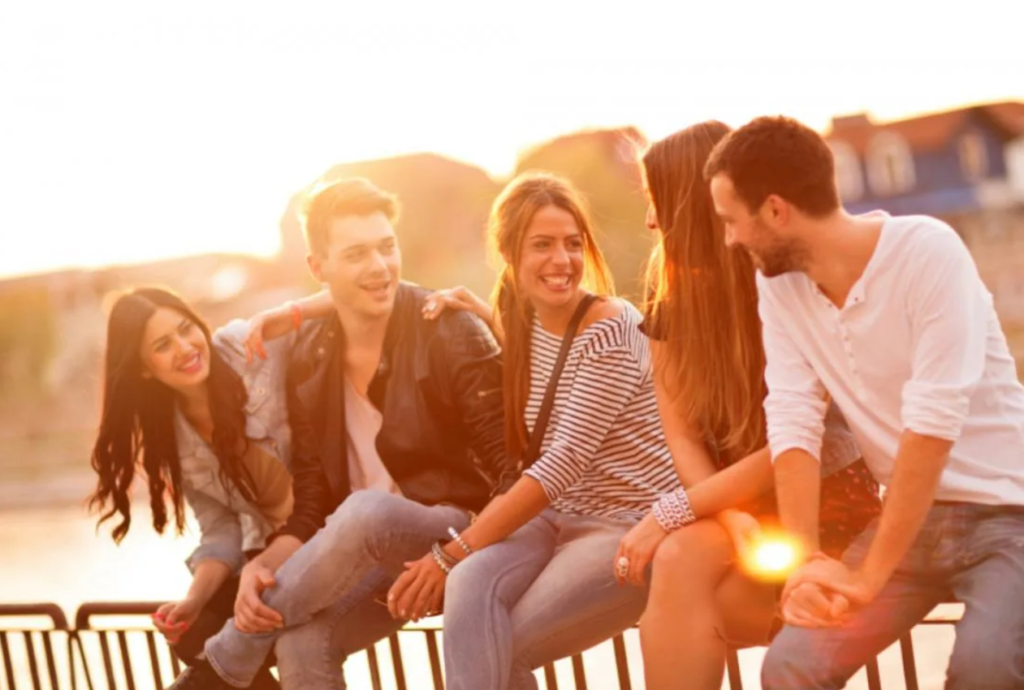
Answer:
(917, 345)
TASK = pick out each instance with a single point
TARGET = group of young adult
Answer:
(554, 466)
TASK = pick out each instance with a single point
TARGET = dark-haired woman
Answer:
(207, 428)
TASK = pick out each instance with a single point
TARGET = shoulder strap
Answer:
(544, 415)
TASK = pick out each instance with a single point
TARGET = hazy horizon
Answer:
(139, 132)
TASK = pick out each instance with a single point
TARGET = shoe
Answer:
(200, 677)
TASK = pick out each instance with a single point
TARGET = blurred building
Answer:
(965, 166)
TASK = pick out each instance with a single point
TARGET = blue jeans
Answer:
(544, 593)
(325, 591)
(970, 551)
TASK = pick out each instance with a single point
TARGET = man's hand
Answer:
(173, 619)
(419, 591)
(638, 547)
(807, 605)
(251, 614)
(834, 576)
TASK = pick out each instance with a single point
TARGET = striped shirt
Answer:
(604, 452)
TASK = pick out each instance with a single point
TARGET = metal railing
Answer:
(112, 646)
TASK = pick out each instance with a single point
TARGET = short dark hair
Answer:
(778, 155)
(354, 196)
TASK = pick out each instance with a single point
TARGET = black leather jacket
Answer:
(438, 388)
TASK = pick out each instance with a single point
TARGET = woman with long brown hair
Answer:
(702, 316)
(204, 427)
(530, 580)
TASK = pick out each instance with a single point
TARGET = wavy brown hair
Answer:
(511, 215)
(137, 423)
(702, 300)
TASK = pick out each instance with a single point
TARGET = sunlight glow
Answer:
(135, 131)
(772, 558)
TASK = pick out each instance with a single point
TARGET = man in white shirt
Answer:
(888, 317)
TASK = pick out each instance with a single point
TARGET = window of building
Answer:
(849, 178)
(890, 165)
(973, 157)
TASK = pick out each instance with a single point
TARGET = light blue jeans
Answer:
(544, 593)
(326, 591)
(974, 552)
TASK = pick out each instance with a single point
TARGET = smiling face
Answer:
(551, 261)
(361, 264)
(174, 350)
(763, 234)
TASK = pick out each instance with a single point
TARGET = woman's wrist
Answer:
(651, 520)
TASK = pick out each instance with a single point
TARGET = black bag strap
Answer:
(544, 415)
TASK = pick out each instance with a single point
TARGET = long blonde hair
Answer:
(511, 215)
(702, 300)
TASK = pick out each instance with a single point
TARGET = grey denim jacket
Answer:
(228, 524)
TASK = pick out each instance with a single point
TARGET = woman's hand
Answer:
(743, 530)
(174, 618)
(460, 299)
(258, 322)
(251, 614)
(636, 551)
(419, 591)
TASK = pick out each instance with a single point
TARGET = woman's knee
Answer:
(695, 553)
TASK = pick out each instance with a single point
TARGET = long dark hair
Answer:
(511, 215)
(702, 299)
(137, 426)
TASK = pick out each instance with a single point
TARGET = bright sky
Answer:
(135, 130)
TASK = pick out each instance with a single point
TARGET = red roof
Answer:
(927, 132)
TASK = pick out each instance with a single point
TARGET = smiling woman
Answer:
(206, 428)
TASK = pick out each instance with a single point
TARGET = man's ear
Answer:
(315, 263)
(777, 210)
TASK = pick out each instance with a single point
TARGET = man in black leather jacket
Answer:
(397, 437)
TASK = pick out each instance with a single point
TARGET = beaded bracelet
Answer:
(441, 558)
(672, 510)
(454, 533)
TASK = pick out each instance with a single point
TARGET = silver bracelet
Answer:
(441, 558)
(672, 511)
(454, 534)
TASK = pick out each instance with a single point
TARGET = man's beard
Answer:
(779, 257)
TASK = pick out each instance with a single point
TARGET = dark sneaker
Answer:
(200, 677)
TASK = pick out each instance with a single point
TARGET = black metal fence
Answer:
(112, 646)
